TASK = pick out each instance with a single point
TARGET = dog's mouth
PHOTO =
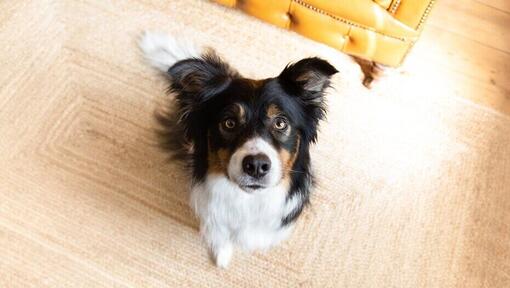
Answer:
(247, 185)
(251, 187)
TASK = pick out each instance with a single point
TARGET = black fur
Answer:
(205, 89)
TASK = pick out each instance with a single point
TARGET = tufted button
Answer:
(287, 16)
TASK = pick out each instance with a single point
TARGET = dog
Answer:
(245, 141)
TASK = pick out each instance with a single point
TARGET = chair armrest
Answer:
(413, 12)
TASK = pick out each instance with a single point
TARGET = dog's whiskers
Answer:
(294, 171)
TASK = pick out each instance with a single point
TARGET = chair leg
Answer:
(371, 70)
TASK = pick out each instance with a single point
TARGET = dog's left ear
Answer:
(307, 79)
(309, 75)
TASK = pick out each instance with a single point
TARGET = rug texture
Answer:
(414, 187)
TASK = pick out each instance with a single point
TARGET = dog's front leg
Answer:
(219, 241)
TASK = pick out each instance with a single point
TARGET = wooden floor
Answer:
(468, 43)
(414, 175)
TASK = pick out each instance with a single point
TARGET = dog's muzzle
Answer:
(255, 165)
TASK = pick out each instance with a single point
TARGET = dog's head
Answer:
(255, 132)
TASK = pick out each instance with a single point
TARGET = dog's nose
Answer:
(257, 166)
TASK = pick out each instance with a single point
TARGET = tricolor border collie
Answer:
(245, 141)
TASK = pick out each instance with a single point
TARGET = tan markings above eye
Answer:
(273, 111)
(241, 113)
(280, 123)
(229, 123)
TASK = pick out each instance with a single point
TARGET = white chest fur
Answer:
(229, 216)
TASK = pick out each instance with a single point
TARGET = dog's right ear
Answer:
(193, 81)
(196, 80)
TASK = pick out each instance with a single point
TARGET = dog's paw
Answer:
(223, 255)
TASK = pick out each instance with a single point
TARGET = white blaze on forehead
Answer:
(259, 145)
(256, 146)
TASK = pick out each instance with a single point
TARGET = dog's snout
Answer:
(257, 166)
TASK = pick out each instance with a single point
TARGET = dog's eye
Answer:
(280, 123)
(229, 123)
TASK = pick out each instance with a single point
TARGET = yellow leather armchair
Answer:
(378, 30)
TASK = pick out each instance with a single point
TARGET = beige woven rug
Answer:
(414, 183)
